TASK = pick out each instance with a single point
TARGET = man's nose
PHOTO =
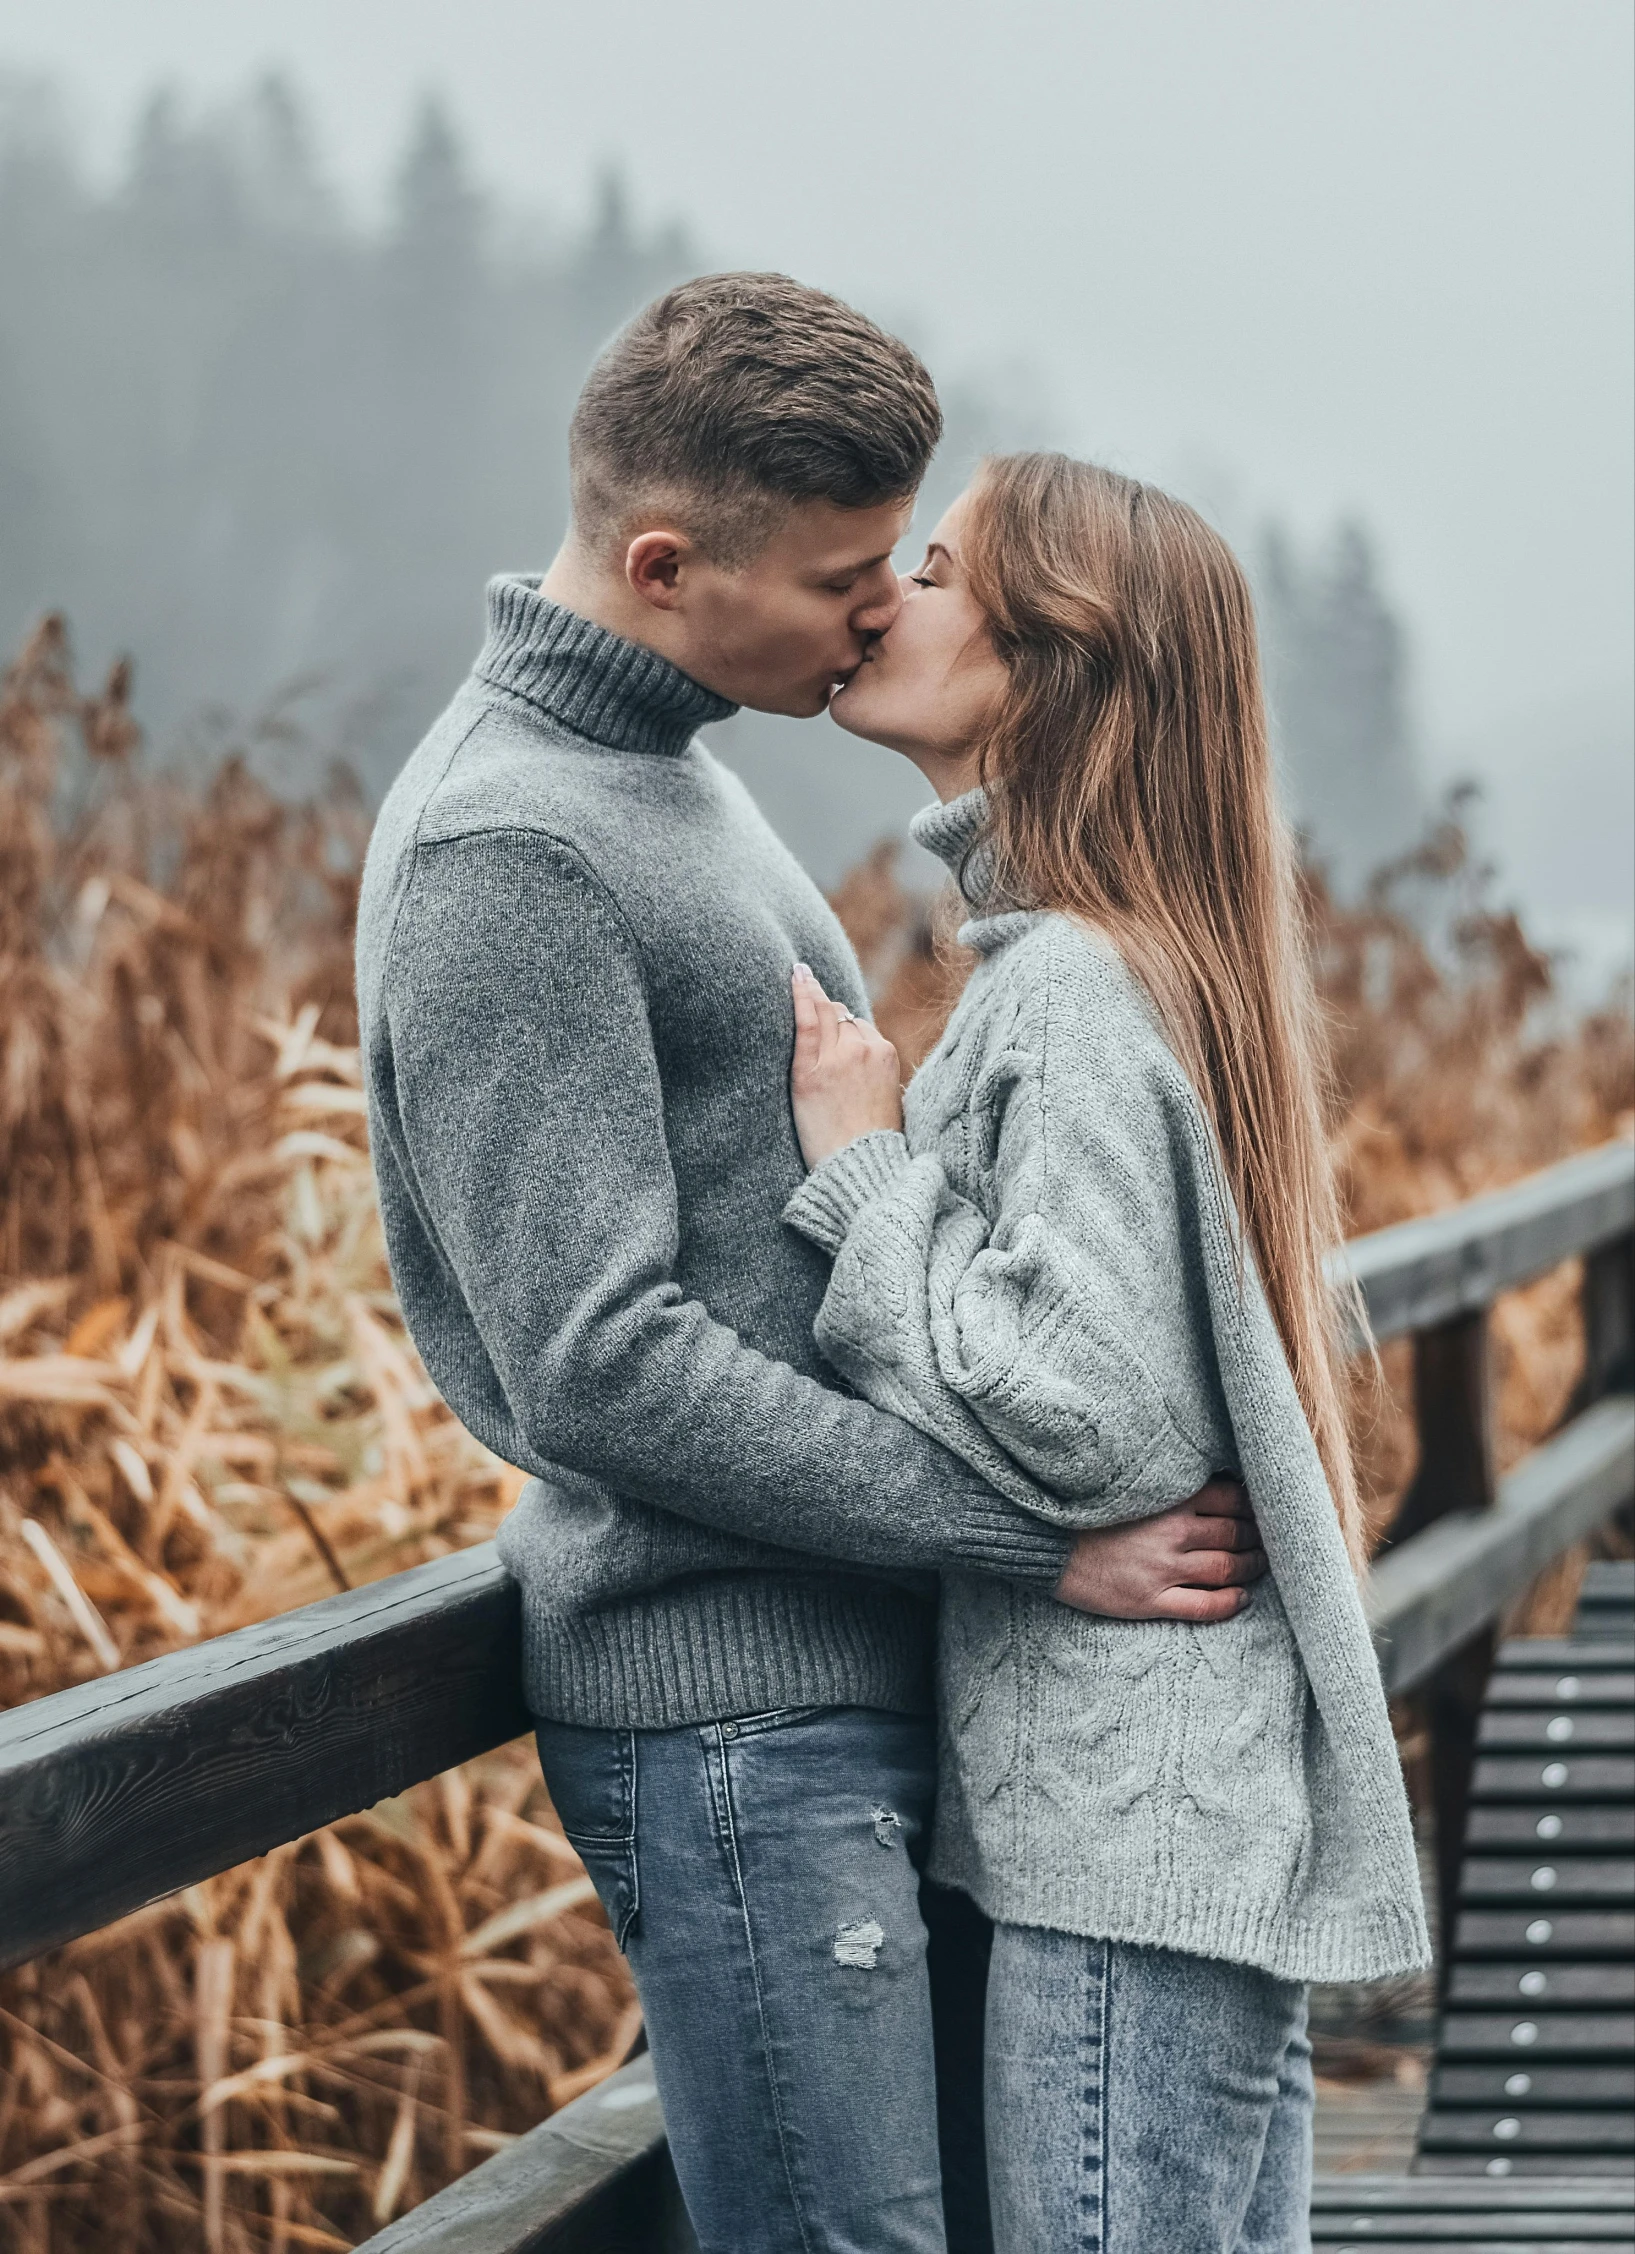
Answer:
(880, 605)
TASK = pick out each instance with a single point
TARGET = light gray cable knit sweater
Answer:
(1043, 1275)
(575, 941)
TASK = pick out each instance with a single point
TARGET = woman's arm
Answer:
(1004, 1337)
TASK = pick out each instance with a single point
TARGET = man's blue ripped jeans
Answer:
(762, 1876)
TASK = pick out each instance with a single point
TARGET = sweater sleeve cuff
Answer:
(834, 1193)
(1000, 1539)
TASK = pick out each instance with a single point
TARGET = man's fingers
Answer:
(1205, 1533)
(1202, 1605)
(1213, 1564)
(1224, 1569)
(1222, 1498)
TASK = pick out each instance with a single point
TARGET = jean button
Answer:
(729, 1729)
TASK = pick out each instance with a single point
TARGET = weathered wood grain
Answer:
(594, 2179)
(1429, 1597)
(1422, 1273)
(129, 1787)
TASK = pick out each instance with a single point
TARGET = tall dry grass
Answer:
(209, 1412)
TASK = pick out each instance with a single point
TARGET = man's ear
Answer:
(654, 564)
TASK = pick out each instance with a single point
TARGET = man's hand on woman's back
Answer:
(1193, 1562)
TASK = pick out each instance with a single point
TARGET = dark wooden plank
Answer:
(1562, 1983)
(1515, 1686)
(1611, 1580)
(1554, 1726)
(1470, 2240)
(1566, 1825)
(1564, 1878)
(1612, 2166)
(1534, 2086)
(1526, 2129)
(594, 2179)
(1441, 1588)
(1579, 1655)
(1424, 1272)
(1607, 1776)
(1398, 2195)
(127, 1788)
(1530, 2034)
(1449, 2205)
(1563, 1933)
(1430, 2239)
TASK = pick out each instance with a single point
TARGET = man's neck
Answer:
(604, 597)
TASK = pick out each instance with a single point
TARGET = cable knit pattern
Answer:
(1043, 1275)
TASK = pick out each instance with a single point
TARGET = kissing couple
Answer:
(939, 1567)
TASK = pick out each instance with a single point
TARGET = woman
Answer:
(1090, 1260)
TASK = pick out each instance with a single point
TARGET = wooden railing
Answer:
(127, 1788)
(1465, 1543)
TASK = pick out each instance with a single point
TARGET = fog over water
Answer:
(1313, 262)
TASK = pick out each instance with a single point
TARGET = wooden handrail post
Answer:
(1453, 1408)
(1609, 1322)
(1453, 1405)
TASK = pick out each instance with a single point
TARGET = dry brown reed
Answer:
(209, 1412)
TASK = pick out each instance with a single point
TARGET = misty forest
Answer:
(273, 454)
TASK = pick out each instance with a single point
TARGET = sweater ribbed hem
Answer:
(737, 1643)
(589, 681)
(836, 1191)
(1377, 1942)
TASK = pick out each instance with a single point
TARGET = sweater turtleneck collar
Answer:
(955, 833)
(951, 830)
(589, 680)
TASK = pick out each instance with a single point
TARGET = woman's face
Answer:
(930, 686)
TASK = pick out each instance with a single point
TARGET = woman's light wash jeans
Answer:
(1144, 2102)
(762, 1876)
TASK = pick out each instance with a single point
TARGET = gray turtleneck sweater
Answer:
(575, 941)
(1044, 1273)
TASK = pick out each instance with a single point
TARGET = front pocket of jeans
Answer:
(591, 1777)
(611, 1867)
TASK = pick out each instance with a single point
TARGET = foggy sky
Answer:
(1291, 255)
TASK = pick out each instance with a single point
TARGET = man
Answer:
(575, 946)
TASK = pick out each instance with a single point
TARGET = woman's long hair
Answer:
(1130, 779)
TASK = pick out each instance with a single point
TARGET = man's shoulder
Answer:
(489, 767)
(480, 780)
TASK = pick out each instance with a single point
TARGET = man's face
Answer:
(779, 634)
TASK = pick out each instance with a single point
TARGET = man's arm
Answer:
(529, 1095)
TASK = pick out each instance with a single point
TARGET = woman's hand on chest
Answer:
(846, 1080)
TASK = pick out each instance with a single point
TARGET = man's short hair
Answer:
(734, 396)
